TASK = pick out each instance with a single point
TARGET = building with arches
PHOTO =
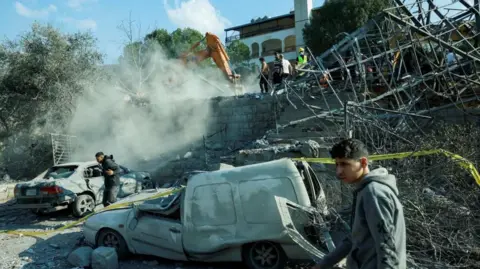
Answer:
(267, 35)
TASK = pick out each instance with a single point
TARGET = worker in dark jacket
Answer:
(112, 179)
(277, 69)
(378, 239)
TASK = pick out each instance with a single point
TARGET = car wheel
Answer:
(83, 205)
(112, 239)
(264, 255)
(147, 184)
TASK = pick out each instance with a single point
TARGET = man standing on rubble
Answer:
(277, 69)
(286, 67)
(378, 239)
(111, 178)
(264, 71)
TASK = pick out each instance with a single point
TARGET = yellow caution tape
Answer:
(464, 163)
(73, 224)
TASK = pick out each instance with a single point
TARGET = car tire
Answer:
(147, 184)
(83, 205)
(111, 238)
(264, 255)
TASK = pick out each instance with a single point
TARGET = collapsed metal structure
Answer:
(411, 60)
(385, 84)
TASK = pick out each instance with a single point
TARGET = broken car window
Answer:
(58, 172)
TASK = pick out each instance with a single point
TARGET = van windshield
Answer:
(165, 202)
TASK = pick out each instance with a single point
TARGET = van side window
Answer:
(212, 205)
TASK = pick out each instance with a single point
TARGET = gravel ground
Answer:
(51, 251)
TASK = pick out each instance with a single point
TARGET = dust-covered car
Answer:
(77, 185)
(228, 215)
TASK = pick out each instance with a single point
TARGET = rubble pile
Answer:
(388, 84)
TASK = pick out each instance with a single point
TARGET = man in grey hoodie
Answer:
(378, 239)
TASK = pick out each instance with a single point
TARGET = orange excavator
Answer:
(216, 51)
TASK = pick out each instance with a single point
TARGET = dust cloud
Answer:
(176, 116)
(198, 14)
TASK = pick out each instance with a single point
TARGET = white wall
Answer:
(282, 34)
(303, 9)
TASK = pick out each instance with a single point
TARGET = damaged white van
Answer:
(222, 216)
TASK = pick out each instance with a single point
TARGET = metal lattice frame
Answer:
(384, 84)
(396, 65)
(63, 147)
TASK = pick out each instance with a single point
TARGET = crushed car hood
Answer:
(109, 218)
(144, 195)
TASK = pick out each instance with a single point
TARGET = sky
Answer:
(103, 17)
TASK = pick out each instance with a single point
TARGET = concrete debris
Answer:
(260, 143)
(104, 258)
(188, 155)
(310, 149)
(441, 200)
(287, 149)
(81, 257)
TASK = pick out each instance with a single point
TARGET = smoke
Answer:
(176, 117)
(198, 14)
(177, 114)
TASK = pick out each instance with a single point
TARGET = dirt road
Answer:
(51, 251)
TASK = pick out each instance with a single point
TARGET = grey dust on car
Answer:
(229, 215)
(77, 186)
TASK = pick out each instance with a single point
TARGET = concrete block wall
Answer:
(232, 124)
(240, 120)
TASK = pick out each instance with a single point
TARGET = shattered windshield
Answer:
(165, 202)
(58, 172)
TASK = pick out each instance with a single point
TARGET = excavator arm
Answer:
(216, 51)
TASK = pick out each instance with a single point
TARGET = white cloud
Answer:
(24, 11)
(77, 4)
(197, 14)
(86, 24)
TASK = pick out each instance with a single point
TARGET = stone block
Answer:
(80, 257)
(104, 258)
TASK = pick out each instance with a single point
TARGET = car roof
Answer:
(77, 164)
(272, 169)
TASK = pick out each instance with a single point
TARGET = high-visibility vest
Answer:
(302, 60)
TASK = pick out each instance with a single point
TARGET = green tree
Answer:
(162, 38)
(336, 17)
(238, 52)
(175, 43)
(183, 39)
(41, 76)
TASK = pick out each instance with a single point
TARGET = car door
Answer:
(128, 182)
(96, 182)
(153, 234)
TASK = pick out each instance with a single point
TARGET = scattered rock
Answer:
(55, 246)
(260, 143)
(151, 263)
(188, 155)
(104, 258)
(80, 257)
(310, 149)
